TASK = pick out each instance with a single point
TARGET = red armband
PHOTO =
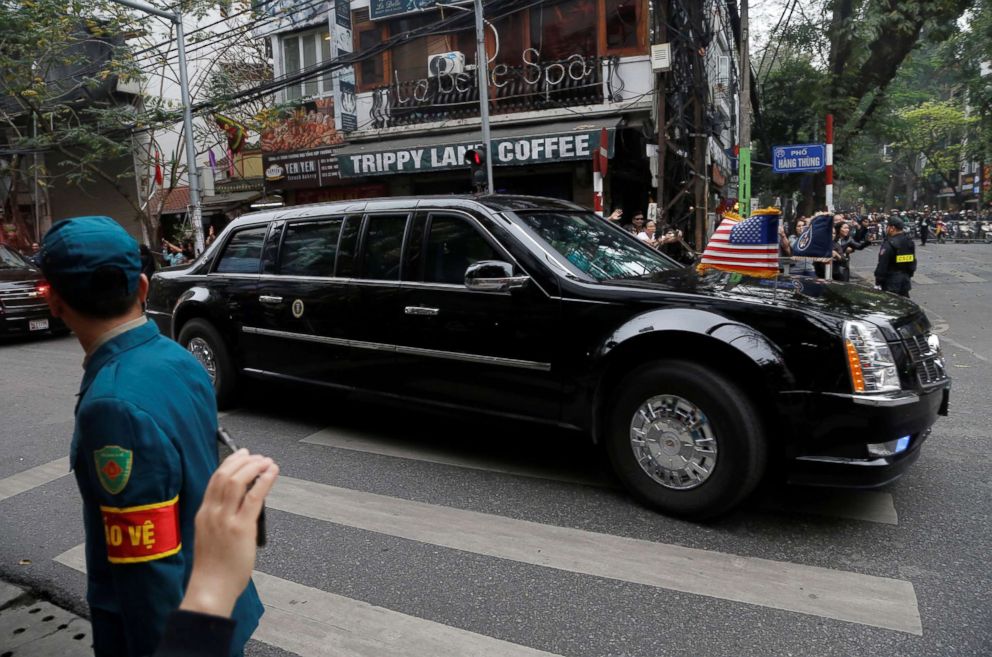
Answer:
(142, 533)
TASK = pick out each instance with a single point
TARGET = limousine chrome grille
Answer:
(926, 359)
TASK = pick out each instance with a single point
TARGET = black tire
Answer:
(741, 449)
(226, 375)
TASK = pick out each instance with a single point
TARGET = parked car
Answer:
(537, 308)
(23, 308)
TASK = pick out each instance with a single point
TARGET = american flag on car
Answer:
(745, 246)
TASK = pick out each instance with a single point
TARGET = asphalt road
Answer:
(398, 532)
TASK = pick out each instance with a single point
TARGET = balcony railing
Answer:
(540, 86)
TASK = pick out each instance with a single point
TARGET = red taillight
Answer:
(42, 288)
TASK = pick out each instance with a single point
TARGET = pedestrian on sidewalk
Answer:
(144, 444)
(896, 260)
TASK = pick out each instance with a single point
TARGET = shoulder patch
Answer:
(113, 467)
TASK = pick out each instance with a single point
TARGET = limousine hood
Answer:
(834, 299)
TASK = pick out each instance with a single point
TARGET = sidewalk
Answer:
(33, 628)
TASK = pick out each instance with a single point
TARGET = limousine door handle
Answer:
(420, 310)
(270, 300)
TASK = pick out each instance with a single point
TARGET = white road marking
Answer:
(868, 506)
(310, 622)
(963, 276)
(405, 449)
(34, 477)
(875, 601)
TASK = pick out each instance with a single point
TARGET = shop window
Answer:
(302, 52)
(371, 72)
(559, 30)
(623, 27)
(452, 246)
(512, 32)
(409, 60)
(243, 252)
(382, 246)
(309, 249)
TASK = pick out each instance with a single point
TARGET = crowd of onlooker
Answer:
(666, 238)
(851, 232)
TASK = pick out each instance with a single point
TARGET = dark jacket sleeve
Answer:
(885, 254)
(190, 634)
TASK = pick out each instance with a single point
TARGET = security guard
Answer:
(896, 260)
(144, 445)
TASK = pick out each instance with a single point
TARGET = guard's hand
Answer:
(226, 528)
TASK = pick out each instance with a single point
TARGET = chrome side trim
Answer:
(400, 349)
(887, 401)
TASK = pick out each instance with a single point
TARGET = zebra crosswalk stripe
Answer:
(314, 623)
(865, 599)
(868, 506)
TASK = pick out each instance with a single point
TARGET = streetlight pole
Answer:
(482, 69)
(194, 182)
(744, 156)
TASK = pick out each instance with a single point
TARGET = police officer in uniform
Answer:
(896, 260)
(144, 444)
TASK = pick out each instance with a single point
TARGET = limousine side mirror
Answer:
(493, 276)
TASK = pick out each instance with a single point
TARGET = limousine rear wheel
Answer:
(200, 338)
(685, 439)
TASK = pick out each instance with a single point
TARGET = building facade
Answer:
(561, 75)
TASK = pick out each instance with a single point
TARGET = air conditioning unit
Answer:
(447, 63)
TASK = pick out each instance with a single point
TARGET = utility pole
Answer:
(699, 132)
(661, 16)
(194, 182)
(482, 69)
(744, 157)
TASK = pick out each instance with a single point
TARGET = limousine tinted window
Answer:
(383, 246)
(243, 252)
(347, 246)
(452, 245)
(308, 249)
(593, 247)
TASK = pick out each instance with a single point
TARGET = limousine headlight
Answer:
(869, 359)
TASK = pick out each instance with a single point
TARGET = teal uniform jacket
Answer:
(143, 451)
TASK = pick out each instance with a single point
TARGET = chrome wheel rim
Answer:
(204, 355)
(673, 442)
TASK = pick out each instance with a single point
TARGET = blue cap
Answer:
(73, 250)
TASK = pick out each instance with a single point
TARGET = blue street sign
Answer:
(803, 158)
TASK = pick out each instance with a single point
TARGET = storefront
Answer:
(550, 159)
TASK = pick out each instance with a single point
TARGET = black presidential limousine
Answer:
(537, 308)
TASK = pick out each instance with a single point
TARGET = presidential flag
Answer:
(745, 246)
(817, 241)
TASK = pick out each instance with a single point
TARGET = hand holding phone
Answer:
(225, 439)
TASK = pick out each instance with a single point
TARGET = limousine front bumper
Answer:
(861, 441)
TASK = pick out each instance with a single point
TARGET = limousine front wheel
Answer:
(201, 339)
(685, 439)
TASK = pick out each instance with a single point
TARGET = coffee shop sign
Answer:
(511, 151)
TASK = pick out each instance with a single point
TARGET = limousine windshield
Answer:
(588, 245)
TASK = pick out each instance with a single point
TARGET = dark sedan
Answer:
(539, 309)
(23, 307)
